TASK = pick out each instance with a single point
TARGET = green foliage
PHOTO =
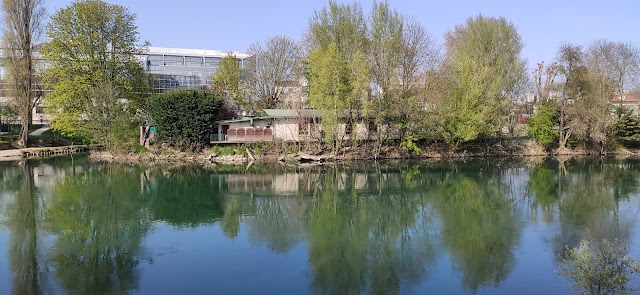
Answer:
(138, 149)
(224, 150)
(600, 267)
(409, 144)
(627, 128)
(339, 25)
(226, 80)
(167, 152)
(92, 44)
(543, 126)
(335, 85)
(184, 118)
(485, 71)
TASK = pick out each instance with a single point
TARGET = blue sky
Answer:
(233, 25)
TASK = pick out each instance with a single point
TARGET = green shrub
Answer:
(184, 118)
(167, 152)
(627, 128)
(138, 149)
(542, 127)
(409, 145)
(600, 267)
(223, 150)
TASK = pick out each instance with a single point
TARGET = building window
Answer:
(190, 61)
(212, 62)
(174, 61)
(39, 110)
(155, 60)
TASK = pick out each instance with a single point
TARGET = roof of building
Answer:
(285, 113)
(244, 119)
(293, 113)
(195, 52)
(625, 98)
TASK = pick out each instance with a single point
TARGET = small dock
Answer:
(47, 151)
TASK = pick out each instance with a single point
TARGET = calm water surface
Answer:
(69, 226)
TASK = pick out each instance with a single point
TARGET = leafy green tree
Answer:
(598, 268)
(91, 42)
(343, 25)
(23, 24)
(385, 54)
(485, 70)
(335, 86)
(110, 120)
(227, 81)
(184, 118)
(542, 125)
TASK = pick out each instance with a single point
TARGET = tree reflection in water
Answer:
(375, 228)
(99, 219)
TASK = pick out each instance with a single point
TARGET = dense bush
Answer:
(543, 126)
(184, 118)
(627, 127)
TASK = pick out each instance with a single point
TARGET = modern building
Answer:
(172, 68)
(169, 68)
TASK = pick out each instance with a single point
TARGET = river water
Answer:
(495, 226)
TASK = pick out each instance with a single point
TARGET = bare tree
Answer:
(278, 61)
(615, 62)
(23, 26)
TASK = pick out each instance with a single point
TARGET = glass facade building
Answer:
(172, 68)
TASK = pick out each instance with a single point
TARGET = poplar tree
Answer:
(23, 23)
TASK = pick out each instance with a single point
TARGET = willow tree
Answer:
(483, 59)
(23, 23)
(92, 43)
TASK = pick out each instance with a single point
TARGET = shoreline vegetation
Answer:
(379, 84)
(296, 154)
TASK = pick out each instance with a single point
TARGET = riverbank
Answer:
(296, 154)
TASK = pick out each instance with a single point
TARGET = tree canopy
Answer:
(91, 42)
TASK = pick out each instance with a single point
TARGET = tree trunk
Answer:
(23, 140)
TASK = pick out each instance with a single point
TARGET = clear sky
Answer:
(234, 24)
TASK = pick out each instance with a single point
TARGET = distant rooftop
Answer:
(195, 52)
(625, 98)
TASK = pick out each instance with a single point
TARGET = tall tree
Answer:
(343, 25)
(92, 42)
(386, 44)
(483, 57)
(227, 81)
(335, 85)
(23, 23)
(278, 60)
(617, 63)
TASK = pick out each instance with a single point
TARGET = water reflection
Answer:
(82, 228)
(99, 220)
(480, 225)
